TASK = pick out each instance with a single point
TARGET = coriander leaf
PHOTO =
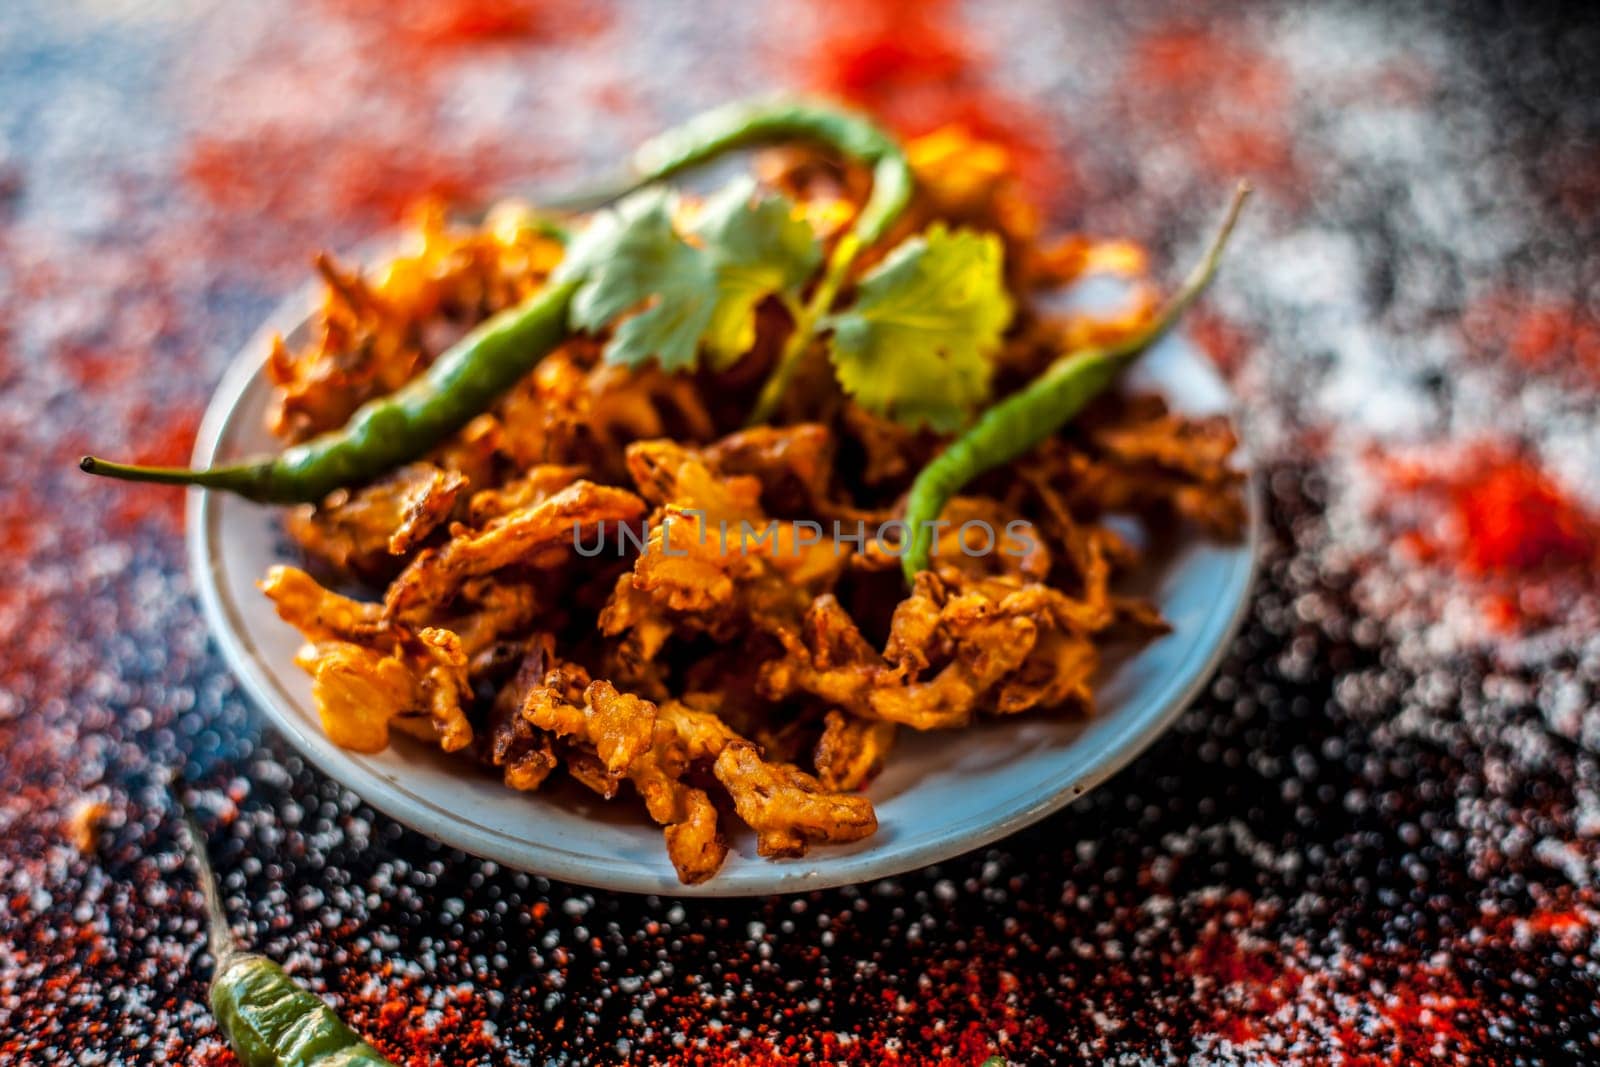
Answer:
(631, 257)
(758, 248)
(917, 342)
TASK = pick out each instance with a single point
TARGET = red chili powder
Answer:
(1219, 337)
(168, 443)
(1505, 519)
(296, 175)
(377, 138)
(913, 66)
(1541, 334)
(444, 23)
(1228, 100)
(1516, 520)
(1238, 988)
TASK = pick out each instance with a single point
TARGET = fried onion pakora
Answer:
(609, 576)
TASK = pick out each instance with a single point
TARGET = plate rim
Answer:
(388, 795)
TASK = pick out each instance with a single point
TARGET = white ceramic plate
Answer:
(942, 793)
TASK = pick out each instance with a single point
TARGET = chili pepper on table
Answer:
(467, 378)
(1022, 420)
(268, 1017)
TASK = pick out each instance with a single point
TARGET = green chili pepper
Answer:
(748, 123)
(465, 380)
(1020, 421)
(268, 1017)
(393, 429)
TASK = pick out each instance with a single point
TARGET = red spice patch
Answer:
(1428, 1009)
(914, 66)
(160, 439)
(331, 147)
(1510, 518)
(1219, 337)
(298, 176)
(1505, 523)
(1238, 986)
(1516, 520)
(1225, 99)
(1542, 335)
(434, 23)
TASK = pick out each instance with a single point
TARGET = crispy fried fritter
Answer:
(487, 610)
(787, 808)
(952, 652)
(573, 409)
(617, 726)
(362, 693)
(358, 691)
(319, 613)
(587, 770)
(851, 750)
(525, 753)
(444, 688)
(369, 675)
(538, 535)
(695, 843)
(794, 465)
(533, 487)
(376, 333)
(1149, 461)
(688, 817)
(366, 531)
(712, 563)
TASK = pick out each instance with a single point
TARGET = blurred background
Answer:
(1376, 835)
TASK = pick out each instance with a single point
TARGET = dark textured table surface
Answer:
(1374, 840)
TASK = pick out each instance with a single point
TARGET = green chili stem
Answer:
(244, 479)
(805, 328)
(269, 1019)
(219, 935)
(1020, 421)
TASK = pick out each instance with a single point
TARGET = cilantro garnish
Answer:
(632, 259)
(918, 341)
(916, 344)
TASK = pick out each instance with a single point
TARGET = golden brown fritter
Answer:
(998, 644)
(540, 535)
(787, 808)
(525, 753)
(851, 751)
(618, 726)
(319, 613)
(361, 693)
(374, 334)
(367, 532)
